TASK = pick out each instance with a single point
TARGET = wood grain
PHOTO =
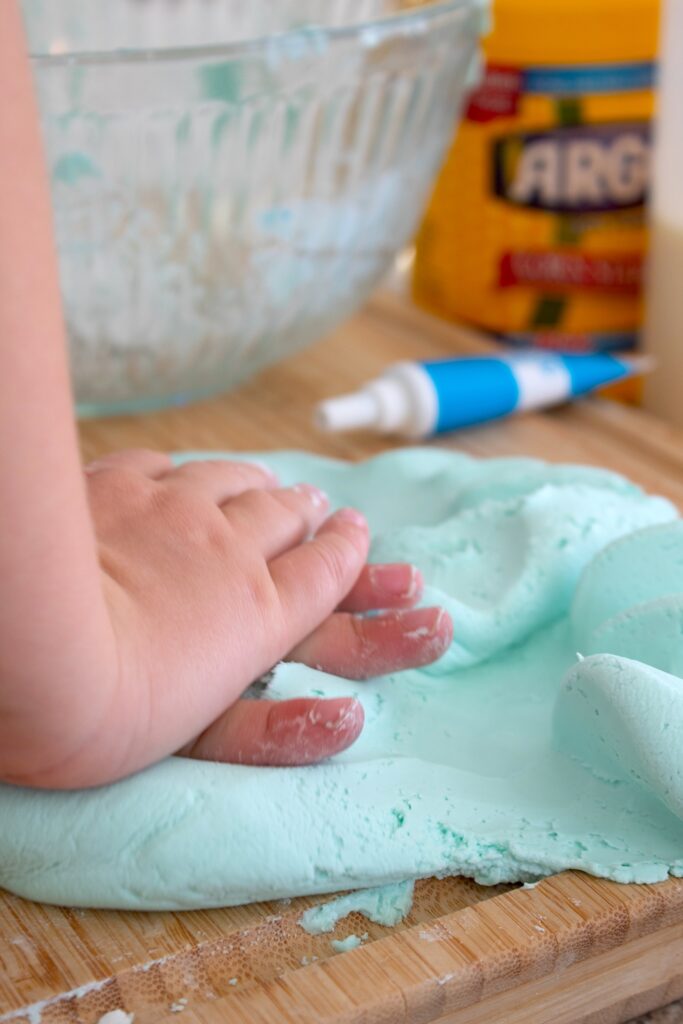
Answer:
(572, 949)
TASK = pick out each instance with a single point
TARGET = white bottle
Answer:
(664, 320)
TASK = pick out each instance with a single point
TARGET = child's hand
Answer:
(210, 579)
(203, 580)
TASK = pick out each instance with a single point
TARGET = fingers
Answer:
(278, 520)
(385, 586)
(360, 648)
(313, 578)
(221, 480)
(292, 732)
(140, 460)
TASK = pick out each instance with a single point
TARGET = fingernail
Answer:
(444, 624)
(416, 585)
(337, 714)
(292, 723)
(400, 581)
(421, 623)
(317, 497)
(352, 515)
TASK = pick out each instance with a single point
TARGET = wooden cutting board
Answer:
(571, 949)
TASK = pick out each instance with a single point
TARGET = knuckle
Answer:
(136, 453)
(117, 493)
(336, 557)
(119, 480)
(262, 595)
(198, 522)
(239, 469)
(217, 469)
(193, 472)
(261, 501)
(269, 507)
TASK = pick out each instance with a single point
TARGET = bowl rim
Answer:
(280, 42)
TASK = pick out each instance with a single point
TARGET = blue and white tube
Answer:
(421, 399)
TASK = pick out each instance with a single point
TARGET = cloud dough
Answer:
(509, 759)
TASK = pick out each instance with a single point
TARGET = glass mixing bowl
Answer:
(231, 178)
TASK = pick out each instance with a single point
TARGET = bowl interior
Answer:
(57, 27)
(231, 178)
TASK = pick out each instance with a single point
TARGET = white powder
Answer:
(117, 1017)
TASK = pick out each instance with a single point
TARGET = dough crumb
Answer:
(117, 1017)
(385, 905)
(344, 945)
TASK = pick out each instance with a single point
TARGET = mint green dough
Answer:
(385, 905)
(508, 760)
(624, 721)
(630, 599)
(344, 945)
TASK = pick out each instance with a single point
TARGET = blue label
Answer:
(472, 390)
(590, 78)
(593, 371)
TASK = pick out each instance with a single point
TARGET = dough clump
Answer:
(508, 760)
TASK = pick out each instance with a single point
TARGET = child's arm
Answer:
(48, 563)
(137, 602)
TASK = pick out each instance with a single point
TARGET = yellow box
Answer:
(536, 228)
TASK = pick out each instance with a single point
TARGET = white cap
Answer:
(402, 401)
(348, 412)
(383, 405)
